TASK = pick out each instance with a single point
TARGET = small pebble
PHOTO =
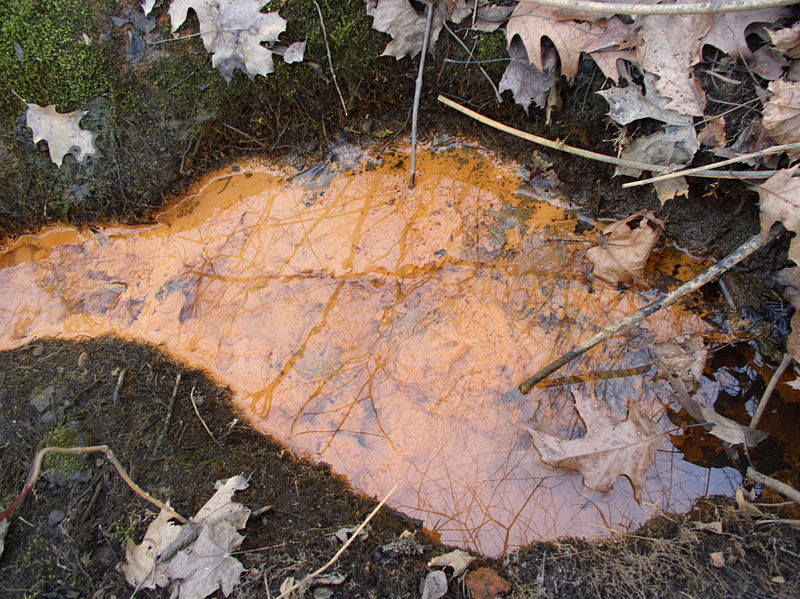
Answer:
(55, 517)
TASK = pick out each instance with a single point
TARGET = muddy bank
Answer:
(68, 537)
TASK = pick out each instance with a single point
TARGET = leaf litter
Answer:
(194, 559)
(62, 132)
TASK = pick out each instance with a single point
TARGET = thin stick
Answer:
(775, 485)
(36, 471)
(773, 382)
(417, 94)
(330, 60)
(118, 387)
(203, 422)
(485, 74)
(342, 549)
(664, 9)
(691, 171)
(561, 146)
(753, 244)
(245, 135)
(171, 407)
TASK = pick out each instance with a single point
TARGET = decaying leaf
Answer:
(721, 427)
(485, 583)
(532, 22)
(717, 559)
(435, 585)
(526, 83)
(715, 527)
(713, 134)
(787, 40)
(458, 560)
(672, 57)
(744, 505)
(685, 358)
(141, 568)
(195, 558)
(344, 533)
(405, 25)
(3, 531)
(781, 114)
(625, 247)
(780, 201)
(628, 104)
(767, 63)
(62, 132)
(208, 565)
(609, 61)
(608, 450)
(147, 6)
(232, 31)
(729, 29)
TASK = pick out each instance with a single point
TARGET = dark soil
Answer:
(166, 120)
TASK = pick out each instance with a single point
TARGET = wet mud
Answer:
(381, 330)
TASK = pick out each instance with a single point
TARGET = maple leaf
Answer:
(608, 450)
(781, 114)
(729, 30)
(209, 563)
(780, 201)
(62, 132)
(672, 57)
(626, 247)
(532, 22)
(232, 31)
(141, 568)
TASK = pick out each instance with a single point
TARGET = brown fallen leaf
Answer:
(62, 132)
(685, 358)
(525, 82)
(626, 247)
(532, 22)
(717, 559)
(713, 134)
(631, 103)
(485, 583)
(608, 450)
(672, 57)
(787, 40)
(715, 527)
(781, 114)
(767, 63)
(141, 568)
(729, 30)
(780, 201)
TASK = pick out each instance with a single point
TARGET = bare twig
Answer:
(330, 60)
(753, 244)
(418, 93)
(561, 146)
(692, 171)
(171, 407)
(775, 485)
(118, 387)
(773, 382)
(684, 8)
(203, 422)
(485, 74)
(243, 134)
(36, 471)
(342, 549)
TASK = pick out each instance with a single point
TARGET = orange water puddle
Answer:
(378, 329)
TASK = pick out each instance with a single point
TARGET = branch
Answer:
(417, 93)
(775, 485)
(713, 7)
(36, 471)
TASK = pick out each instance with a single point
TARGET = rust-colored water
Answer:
(378, 329)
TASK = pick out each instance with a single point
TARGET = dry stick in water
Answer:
(342, 549)
(773, 382)
(417, 93)
(775, 485)
(754, 243)
(561, 146)
(36, 471)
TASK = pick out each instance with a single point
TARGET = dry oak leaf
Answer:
(608, 450)
(729, 30)
(628, 104)
(525, 82)
(672, 57)
(232, 31)
(627, 244)
(685, 357)
(780, 201)
(62, 132)
(781, 114)
(532, 22)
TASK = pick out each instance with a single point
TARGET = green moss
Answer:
(64, 465)
(56, 66)
(491, 47)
